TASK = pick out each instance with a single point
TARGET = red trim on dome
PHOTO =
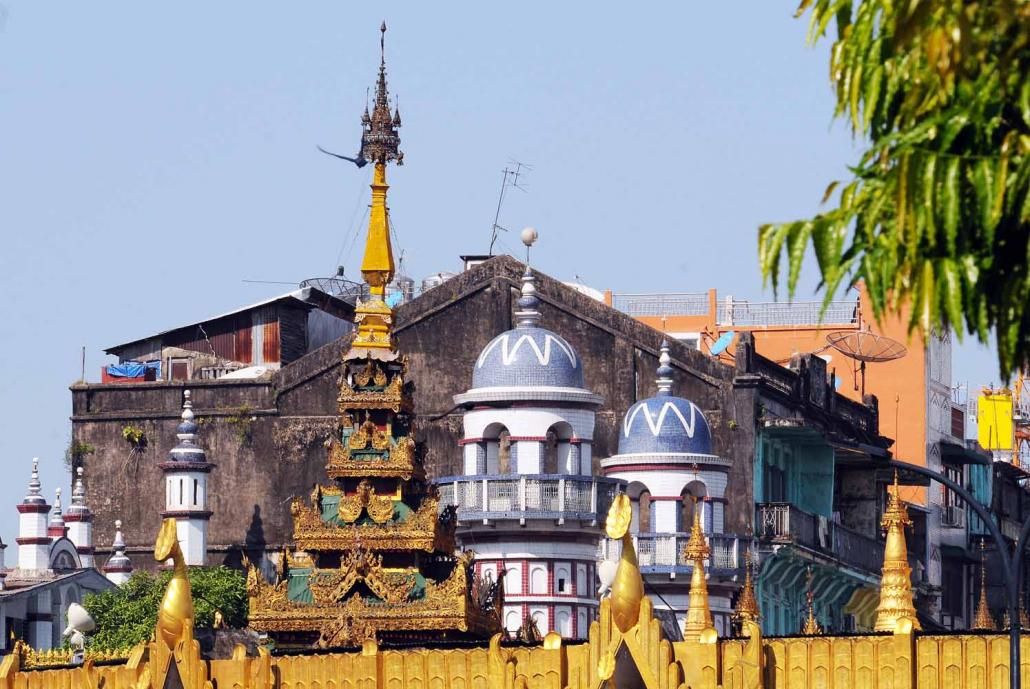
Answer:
(35, 540)
(57, 531)
(78, 517)
(33, 508)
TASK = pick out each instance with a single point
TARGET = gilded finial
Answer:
(698, 625)
(747, 604)
(983, 620)
(811, 627)
(896, 598)
(380, 144)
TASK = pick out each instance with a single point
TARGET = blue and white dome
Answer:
(665, 424)
(528, 355)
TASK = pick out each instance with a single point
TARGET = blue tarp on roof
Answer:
(134, 369)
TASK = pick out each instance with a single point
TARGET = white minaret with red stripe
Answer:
(119, 567)
(33, 540)
(186, 473)
(79, 520)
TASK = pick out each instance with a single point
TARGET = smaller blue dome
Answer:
(665, 425)
(528, 356)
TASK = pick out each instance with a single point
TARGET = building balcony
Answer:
(783, 523)
(664, 553)
(555, 497)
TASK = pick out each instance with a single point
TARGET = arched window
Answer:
(558, 457)
(563, 623)
(695, 490)
(498, 449)
(505, 465)
(550, 464)
(512, 621)
(643, 515)
(538, 580)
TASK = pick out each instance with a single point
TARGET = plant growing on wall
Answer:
(136, 437)
(76, 452)
(242, 421)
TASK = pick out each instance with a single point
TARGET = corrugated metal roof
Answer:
(307, 296)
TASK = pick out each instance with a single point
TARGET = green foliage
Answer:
(135, 436)
(127, 615)
(76, 452)
(936, 216)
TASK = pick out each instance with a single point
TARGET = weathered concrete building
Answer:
(266, 436)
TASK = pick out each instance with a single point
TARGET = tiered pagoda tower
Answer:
(374, 554)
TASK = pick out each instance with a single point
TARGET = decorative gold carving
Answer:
(399, 463)
(391, 397)
(32, 659)
(372, 373)
(445, 605)
(421, 530)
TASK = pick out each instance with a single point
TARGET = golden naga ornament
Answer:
(628, 587)
(176, 609)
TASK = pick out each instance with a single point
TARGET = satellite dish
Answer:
(79, 619)
(864, 346)
(79, 624)
(606, 574)
(723, 342)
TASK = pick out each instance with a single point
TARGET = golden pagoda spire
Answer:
(811, 627)
(896, 581)
(380, 145)
(983, 620)
(699, 615)
(747, 603)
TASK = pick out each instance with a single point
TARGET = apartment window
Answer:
(953, 510)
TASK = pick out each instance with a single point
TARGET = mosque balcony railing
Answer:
(666, 552)
(667, 304)
(784, 523)
(557, 497)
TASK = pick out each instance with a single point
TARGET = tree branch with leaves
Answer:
(936, 213)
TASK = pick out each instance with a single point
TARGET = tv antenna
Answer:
(511, 176)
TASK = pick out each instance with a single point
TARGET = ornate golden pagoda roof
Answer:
(376, 551)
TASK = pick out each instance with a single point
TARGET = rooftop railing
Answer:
(665, 552)
(668, 304)
(741, 312)
(555, 497)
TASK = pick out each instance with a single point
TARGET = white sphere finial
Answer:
(529, 236)
(117, 523)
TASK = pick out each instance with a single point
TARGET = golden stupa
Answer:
(375, 552)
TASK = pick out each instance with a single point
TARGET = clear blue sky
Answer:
(154, 156)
